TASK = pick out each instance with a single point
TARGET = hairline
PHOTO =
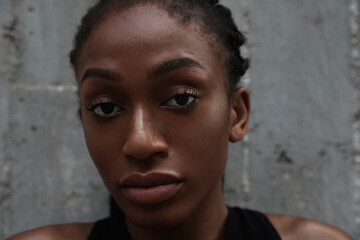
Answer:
(213, 41)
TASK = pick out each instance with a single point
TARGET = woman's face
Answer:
(155, 114)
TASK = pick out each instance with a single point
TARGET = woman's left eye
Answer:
(104, 109)
(181, 100)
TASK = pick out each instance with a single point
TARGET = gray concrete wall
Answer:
(301, 155)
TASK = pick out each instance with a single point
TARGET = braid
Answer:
(232, 40)
(214, 19)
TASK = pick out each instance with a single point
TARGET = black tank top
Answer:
(240, 224)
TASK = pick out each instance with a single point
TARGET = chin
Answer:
(159, 216)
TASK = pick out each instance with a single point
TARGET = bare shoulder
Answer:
(56, 232)
(296, 228)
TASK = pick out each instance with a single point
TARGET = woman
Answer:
(159, 103)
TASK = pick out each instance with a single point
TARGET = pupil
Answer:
(107, 108)
(182, 99)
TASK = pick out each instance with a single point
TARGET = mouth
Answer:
(150, 188)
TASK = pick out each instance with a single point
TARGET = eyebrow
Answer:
(164, 68)
(174, 64)
(98, 73)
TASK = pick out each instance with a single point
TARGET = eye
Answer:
(182, 99)
(104, 109)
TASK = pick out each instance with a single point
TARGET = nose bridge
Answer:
(142, 127)
(137, 118)
(143, 140)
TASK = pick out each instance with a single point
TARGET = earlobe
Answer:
(240, 113)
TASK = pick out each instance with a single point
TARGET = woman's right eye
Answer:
(104, 109)
(180, 100)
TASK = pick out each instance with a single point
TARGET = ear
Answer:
(239, 114)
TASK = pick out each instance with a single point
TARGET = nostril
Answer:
(153, 156)
(145, 147)
(160, 155)
(144, 140)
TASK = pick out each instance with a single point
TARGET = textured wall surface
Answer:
(302, 152)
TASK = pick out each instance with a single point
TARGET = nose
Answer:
(144, 140)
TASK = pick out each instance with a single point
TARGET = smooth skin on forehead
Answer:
(146, 26)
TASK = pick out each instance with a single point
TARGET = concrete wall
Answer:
(301, 155)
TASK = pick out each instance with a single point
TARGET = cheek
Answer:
(102, 148)
(202, 142)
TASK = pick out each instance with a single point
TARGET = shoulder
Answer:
(296, 228)
(56, 232)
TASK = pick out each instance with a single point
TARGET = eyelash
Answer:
(91, 107)
(189, 92)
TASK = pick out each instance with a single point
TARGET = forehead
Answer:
(146, 31)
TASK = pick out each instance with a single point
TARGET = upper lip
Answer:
(149, 179)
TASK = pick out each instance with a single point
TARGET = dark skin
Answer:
(154, 99)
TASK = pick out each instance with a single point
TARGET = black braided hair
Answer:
(214, 19)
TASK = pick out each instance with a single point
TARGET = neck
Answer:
(206, 221)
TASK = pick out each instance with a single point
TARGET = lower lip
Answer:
(151, 195)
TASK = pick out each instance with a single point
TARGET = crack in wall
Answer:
(12, 34)
(245, 49)
(246, 81)
(44, 87)
(354, 24)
